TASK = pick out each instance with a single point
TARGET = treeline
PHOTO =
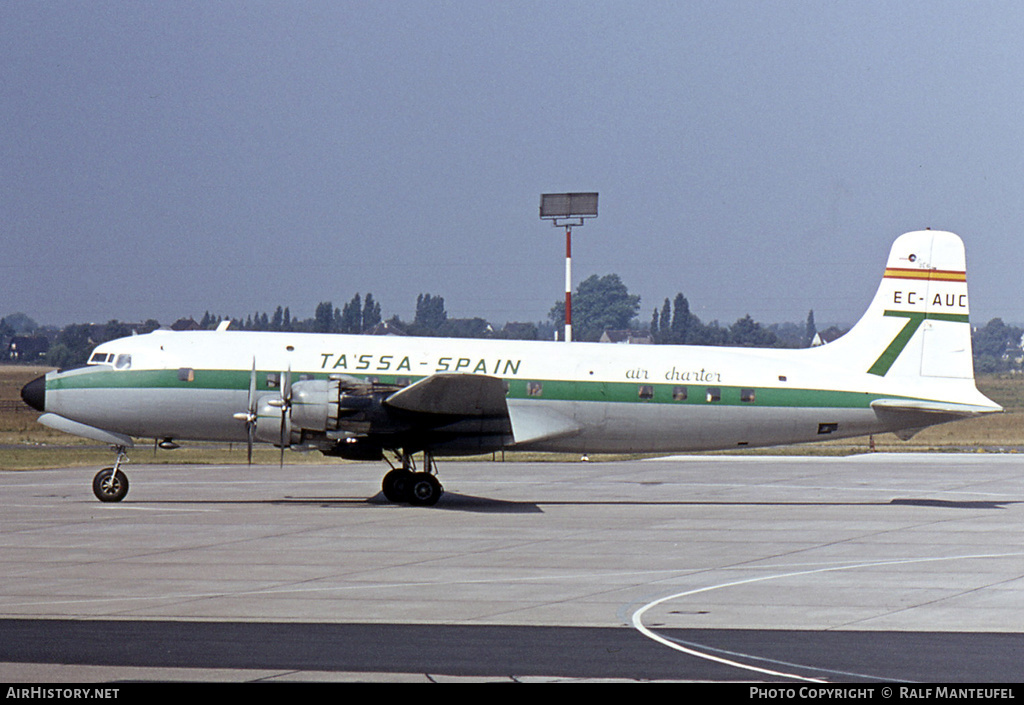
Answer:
(998, 347)
(354, 317)
(362, 315)
(604, 304)
(602, 308)
(675, 324)
(22, 340)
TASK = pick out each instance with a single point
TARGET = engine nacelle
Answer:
(268, 421)
(315, 405)
(313, 408)
(322, 409)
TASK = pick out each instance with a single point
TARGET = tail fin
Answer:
(917, 325)
(915, 338)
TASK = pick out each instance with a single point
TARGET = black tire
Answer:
(110, 486)
(424, 490)
(396, 485)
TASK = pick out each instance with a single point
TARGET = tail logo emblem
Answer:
(914, 321)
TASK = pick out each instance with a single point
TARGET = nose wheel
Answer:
(110, 484)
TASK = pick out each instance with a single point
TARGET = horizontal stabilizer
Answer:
(454, 395)
(59, 423)
(906, 417)
(933, 407)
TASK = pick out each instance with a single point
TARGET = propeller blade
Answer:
(250, 424)
(249, 415)
(286, 409)
(252, 388)
(286, 386)
(284, 417)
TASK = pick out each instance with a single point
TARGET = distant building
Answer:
(826, 336)
(515, 330)
(628, 337)
(185, 324)
(25, 348)
(391, 327)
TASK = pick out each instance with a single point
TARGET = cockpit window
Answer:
(100, 358)
(123, 362)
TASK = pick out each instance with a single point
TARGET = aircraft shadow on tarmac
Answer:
(952, 504)
(453, 501)
(450, 501)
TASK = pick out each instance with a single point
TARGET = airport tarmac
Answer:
(877, 567)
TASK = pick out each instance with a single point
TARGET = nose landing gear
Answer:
(110, 484)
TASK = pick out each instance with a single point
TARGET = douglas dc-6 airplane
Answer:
(907, 364)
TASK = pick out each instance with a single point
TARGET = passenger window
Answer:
(714, 394)
(534, 389)
(679, 393)
(123, 362)
(273, 379)
(646, 391)
(186, 374)
(747, 395)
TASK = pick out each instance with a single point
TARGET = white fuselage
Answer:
(583, 397)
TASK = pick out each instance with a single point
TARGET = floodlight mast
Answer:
(566, 210)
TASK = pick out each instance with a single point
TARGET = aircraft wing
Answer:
(480, 396)
(452, 395)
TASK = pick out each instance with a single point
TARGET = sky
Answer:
(164, 159)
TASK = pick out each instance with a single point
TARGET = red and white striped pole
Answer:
(568, 284)
(558, 208)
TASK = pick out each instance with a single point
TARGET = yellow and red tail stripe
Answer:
(925, 274)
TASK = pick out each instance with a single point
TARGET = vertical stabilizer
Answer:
(917, 325)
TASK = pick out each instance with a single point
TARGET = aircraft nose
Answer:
(34, 393)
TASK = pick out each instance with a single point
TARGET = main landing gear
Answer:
(417, 487)
(110, 484)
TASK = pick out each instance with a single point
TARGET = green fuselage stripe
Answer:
(552, 390)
